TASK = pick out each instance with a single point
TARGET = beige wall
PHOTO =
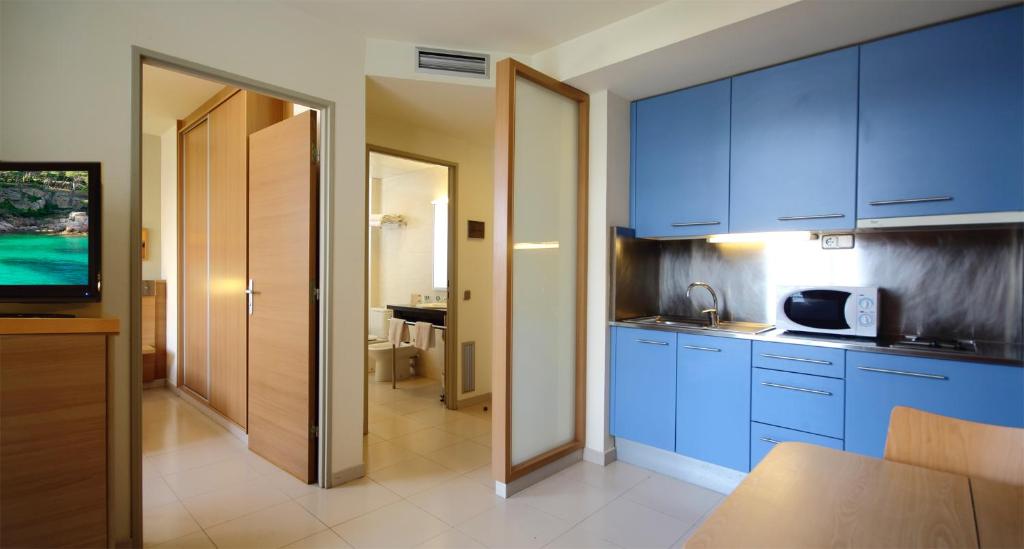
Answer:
(475, 197)
(80, 75)
(151, 211)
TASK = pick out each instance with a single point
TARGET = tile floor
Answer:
(428, 484)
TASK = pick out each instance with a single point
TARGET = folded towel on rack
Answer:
(396, 331)
(422, 334)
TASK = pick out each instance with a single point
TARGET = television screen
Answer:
(49, 231)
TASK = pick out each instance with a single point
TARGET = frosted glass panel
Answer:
(543, 307)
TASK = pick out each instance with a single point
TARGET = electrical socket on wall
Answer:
(836, 241)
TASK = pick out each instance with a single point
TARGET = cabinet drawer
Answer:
(986, 393)
(803, 359)
(812, 404)
(644, 387)
(764, 437)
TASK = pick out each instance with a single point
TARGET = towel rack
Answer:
(394, 352)
(407, 323)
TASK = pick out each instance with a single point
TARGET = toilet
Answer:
(379, 349)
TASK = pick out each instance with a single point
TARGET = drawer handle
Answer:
(902, 373)
(804, 217)
(696, 223)
(770, 440)
(800, 389)
(796, 359)
(699, 348)
(910, 200)
(652, 342)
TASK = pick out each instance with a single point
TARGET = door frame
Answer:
(502, 467)
(142, 56)
(451, 377)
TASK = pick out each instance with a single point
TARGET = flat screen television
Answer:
(49, 231)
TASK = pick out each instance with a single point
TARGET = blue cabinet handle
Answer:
(699, 348)
(652, 342)
(803, 217)
(800, 389)
(796, 359)
(696, 223)
(902, 373)
(770, 440)
(910, 200)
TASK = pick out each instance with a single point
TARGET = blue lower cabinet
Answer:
(644, 387)
(713, 400)
(812, 404)
(986, 393)
(764, 437)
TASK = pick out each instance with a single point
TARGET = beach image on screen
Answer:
(44, 228)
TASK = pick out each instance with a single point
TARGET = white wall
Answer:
(405, 259)
(169, 242)
(151, 211)
(475, 197)
(89, 44)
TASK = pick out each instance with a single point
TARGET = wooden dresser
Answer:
(53, 431)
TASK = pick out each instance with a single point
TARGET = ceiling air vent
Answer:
(453, 63)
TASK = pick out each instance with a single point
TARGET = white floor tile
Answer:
(629, 524)
(426, 441)
(400, 524)
(272, 527)
(396, 426)
(222, 505)
(156, 493)
(581, 538)
(195, 540)
(291, 486)
(412, 476)
(514, 525)
(462, 457)
(348, 501)
(385, 454)
(167, 522)
(566, 498)
(456, 501)
(327, 539)
(467, 427)
(210, 478)
(451, 539)
(482, 476)
(675, 498)
(617, 475)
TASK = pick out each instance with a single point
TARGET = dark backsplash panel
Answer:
(965, 283)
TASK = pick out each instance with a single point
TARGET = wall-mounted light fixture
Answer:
(748, 238)
(534, 245)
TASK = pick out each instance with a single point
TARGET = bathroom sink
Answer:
(433, 306)
(724, 326)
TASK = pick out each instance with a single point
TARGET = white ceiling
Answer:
(464, 111)
(383, 166)
(515, 26)
(168, 96)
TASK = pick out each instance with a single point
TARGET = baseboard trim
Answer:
(474, 400)
(348, 474)
(599, 457)
(537, 475)
(713, 477)
(232, 427)
(155, 384)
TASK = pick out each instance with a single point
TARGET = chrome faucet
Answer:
(713, 311)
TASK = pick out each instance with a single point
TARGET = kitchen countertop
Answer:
(989, 353)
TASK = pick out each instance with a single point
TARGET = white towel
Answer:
(422, 333)
(396, 331)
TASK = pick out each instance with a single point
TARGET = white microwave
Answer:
(838, 310)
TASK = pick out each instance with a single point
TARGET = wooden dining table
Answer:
(802, 495)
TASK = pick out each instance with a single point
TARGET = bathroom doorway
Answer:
(410, 285)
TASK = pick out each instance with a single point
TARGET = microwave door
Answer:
(820, 310)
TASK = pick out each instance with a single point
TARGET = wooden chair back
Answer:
(976, 450)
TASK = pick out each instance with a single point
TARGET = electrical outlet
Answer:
(836, 241)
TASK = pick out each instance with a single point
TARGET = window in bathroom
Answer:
(441, 244)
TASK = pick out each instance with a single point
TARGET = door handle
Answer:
(795, 359)
(249, 292)
(652, 342)
(699, 348)
(910, 200)
(770, 440)
(803, 217)
(794, 388)
(696, 223)
(902, 373)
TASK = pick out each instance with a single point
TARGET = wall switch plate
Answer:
(836, 241)
(466, 295)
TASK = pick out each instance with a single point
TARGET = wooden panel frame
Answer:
(502, 467)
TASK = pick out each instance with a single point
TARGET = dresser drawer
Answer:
(812, 404)
(764, 437)
(803, 359)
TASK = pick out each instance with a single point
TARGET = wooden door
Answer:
(282, 271)
(228, 250)
(195, 261)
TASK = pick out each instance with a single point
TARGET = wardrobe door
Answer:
(228, 199)
(195, 264)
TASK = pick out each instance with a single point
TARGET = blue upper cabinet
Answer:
(794, 145)
(644, 387)
(713, 402)
(681, 162)
(942, 119)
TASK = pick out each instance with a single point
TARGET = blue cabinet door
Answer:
(764, 437)
(681, 162)
(713, 402)
(794, 145)
(875, 383)
(644, 387)
(813, 404)
(942, 119)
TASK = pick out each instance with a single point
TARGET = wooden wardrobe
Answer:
(212, 246)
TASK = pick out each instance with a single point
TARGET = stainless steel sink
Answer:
(724, 326)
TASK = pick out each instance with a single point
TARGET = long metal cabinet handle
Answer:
(795, 359)
(699, 348)
(910, 200)
(792, 388)
(696, 223)
(902, 373)
(652, 342)
(770, 440)
(803, 217)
